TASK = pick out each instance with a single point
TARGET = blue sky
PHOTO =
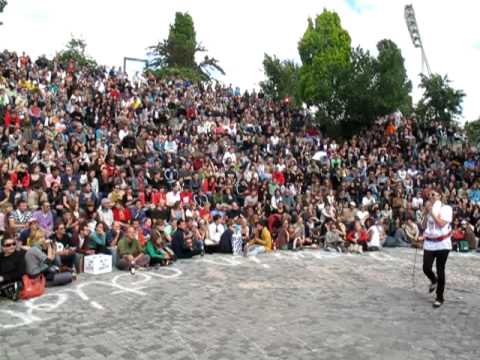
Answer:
(357, 5)
(238, 33)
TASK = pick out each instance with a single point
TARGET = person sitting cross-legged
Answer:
(160, 254)
(262, 241)
(12, 268)
(182, 243)
(130, 252)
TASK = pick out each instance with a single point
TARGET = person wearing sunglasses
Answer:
(12, 268)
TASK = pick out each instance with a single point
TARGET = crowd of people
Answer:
(151, 171)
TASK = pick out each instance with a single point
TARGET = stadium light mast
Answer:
(412, 26)
(3, 3)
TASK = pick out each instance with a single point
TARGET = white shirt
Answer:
(368, 201)
(417, 203)
(215, 232)
(173, 198)
(374, 233)
(434, 230)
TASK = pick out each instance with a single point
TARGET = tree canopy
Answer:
(325, 53)
(281, 78)
(394, 87)
(176, 54)
(472, 129)
(439, 101)
(75, 50)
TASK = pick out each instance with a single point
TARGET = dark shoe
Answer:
(432, 288)
(437, 303)
(132, 270)
(12, 292)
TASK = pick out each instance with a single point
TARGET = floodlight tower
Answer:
(415, 35)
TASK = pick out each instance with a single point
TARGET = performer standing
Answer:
(437, 244)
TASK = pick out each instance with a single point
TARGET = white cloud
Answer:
(239, 32)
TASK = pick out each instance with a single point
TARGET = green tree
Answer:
(439, 101)
(393, 85)
(76, 50)
(325, 53)
(281, 78)
(472, 129)
(359, 92)
(175, 56)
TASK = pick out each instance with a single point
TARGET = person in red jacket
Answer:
(11, 118)
(121, 213)
(358, 237)
(20, 177)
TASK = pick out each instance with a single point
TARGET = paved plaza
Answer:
(304, 305)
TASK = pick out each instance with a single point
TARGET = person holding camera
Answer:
(41, 259)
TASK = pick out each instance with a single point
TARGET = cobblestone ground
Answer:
(307, 305)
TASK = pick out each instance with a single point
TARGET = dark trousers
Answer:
(441, 259)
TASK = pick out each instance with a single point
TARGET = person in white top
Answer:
(215, 231)
(437, 244)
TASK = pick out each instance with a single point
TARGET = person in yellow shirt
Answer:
(262, 241)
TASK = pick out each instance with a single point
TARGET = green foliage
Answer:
(358, 92)
(75, 50)
(281, 78)
(174, 72)
(325, 53)
(440, 101)
(177, 53)
(393, 87)
(472, 128)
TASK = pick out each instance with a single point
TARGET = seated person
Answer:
(413, 233)
(65, 248)
(226, 240)
(215, 231)
(130, 252)
(182, 243)
(283, 241)
(41, 259)
(357, 238)
(333, 237)
(376, 235)
(262, 240)
(12, 268)
(158, 251)
(32, 234)
(98, 240)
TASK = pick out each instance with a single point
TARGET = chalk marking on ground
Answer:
(96, 305)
